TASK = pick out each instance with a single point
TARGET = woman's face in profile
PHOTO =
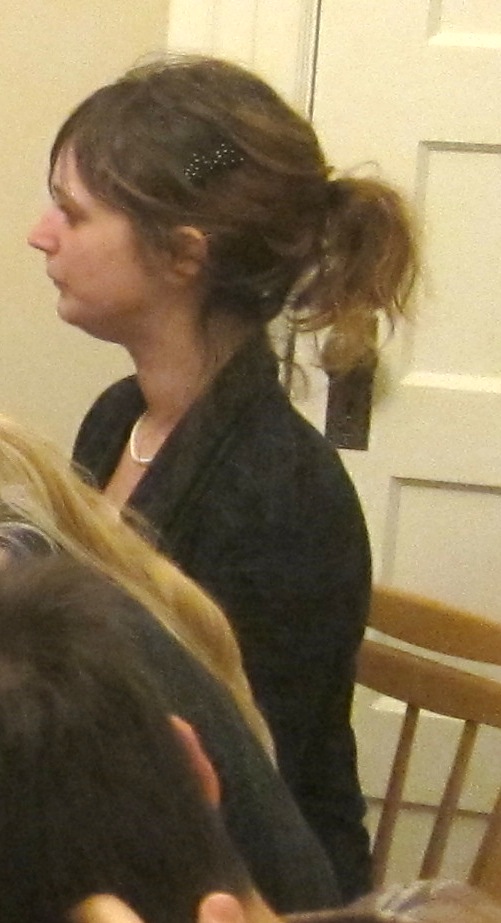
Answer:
(93, 258)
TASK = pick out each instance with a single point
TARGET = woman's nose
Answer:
(44, 234)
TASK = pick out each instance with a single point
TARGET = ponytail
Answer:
(365, 265)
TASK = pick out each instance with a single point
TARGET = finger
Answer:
(103, 908)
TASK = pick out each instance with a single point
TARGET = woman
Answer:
(191, 206)
(45, 509)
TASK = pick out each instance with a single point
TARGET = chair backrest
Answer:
(424, 683)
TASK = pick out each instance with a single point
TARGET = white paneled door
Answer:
(414, 85)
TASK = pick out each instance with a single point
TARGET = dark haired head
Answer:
(204, 143)
(96, 792)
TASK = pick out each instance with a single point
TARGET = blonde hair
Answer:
(38, 487)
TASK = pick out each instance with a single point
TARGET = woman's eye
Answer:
(71, 217)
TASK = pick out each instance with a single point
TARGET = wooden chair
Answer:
(423, 683)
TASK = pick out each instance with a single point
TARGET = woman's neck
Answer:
(175, 366)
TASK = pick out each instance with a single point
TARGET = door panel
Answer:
(413, 87)
(276, 38)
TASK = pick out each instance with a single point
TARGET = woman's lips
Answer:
(55, 281)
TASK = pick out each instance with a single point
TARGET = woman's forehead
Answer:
(65, 170)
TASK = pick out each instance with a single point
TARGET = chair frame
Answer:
(423, 683)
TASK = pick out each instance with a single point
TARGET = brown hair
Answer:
(97, 793)
(201, 142)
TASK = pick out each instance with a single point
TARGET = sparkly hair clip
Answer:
(203, 166)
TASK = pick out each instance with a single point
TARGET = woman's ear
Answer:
(199, 760)
(103, 908)
(188, 251)
(220, 908)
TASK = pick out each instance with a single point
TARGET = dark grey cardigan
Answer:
(253, 504)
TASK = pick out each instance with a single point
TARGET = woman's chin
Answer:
(73, 312)
(70, 310)
(91, 321)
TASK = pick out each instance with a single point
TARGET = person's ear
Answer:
(220, 908)
(5, 558)
(199, 760)
(103, 908)
(188, 251)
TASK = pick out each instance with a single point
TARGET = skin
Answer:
(152, 309)
(93, 260)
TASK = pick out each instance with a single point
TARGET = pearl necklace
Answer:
(144, 460)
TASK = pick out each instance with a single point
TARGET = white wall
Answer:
(52, 53)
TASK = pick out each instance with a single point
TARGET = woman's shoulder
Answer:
(268, 427)
(278, 452)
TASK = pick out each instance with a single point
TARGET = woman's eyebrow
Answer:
(57, 191)
(62, 193)
(63, 196)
